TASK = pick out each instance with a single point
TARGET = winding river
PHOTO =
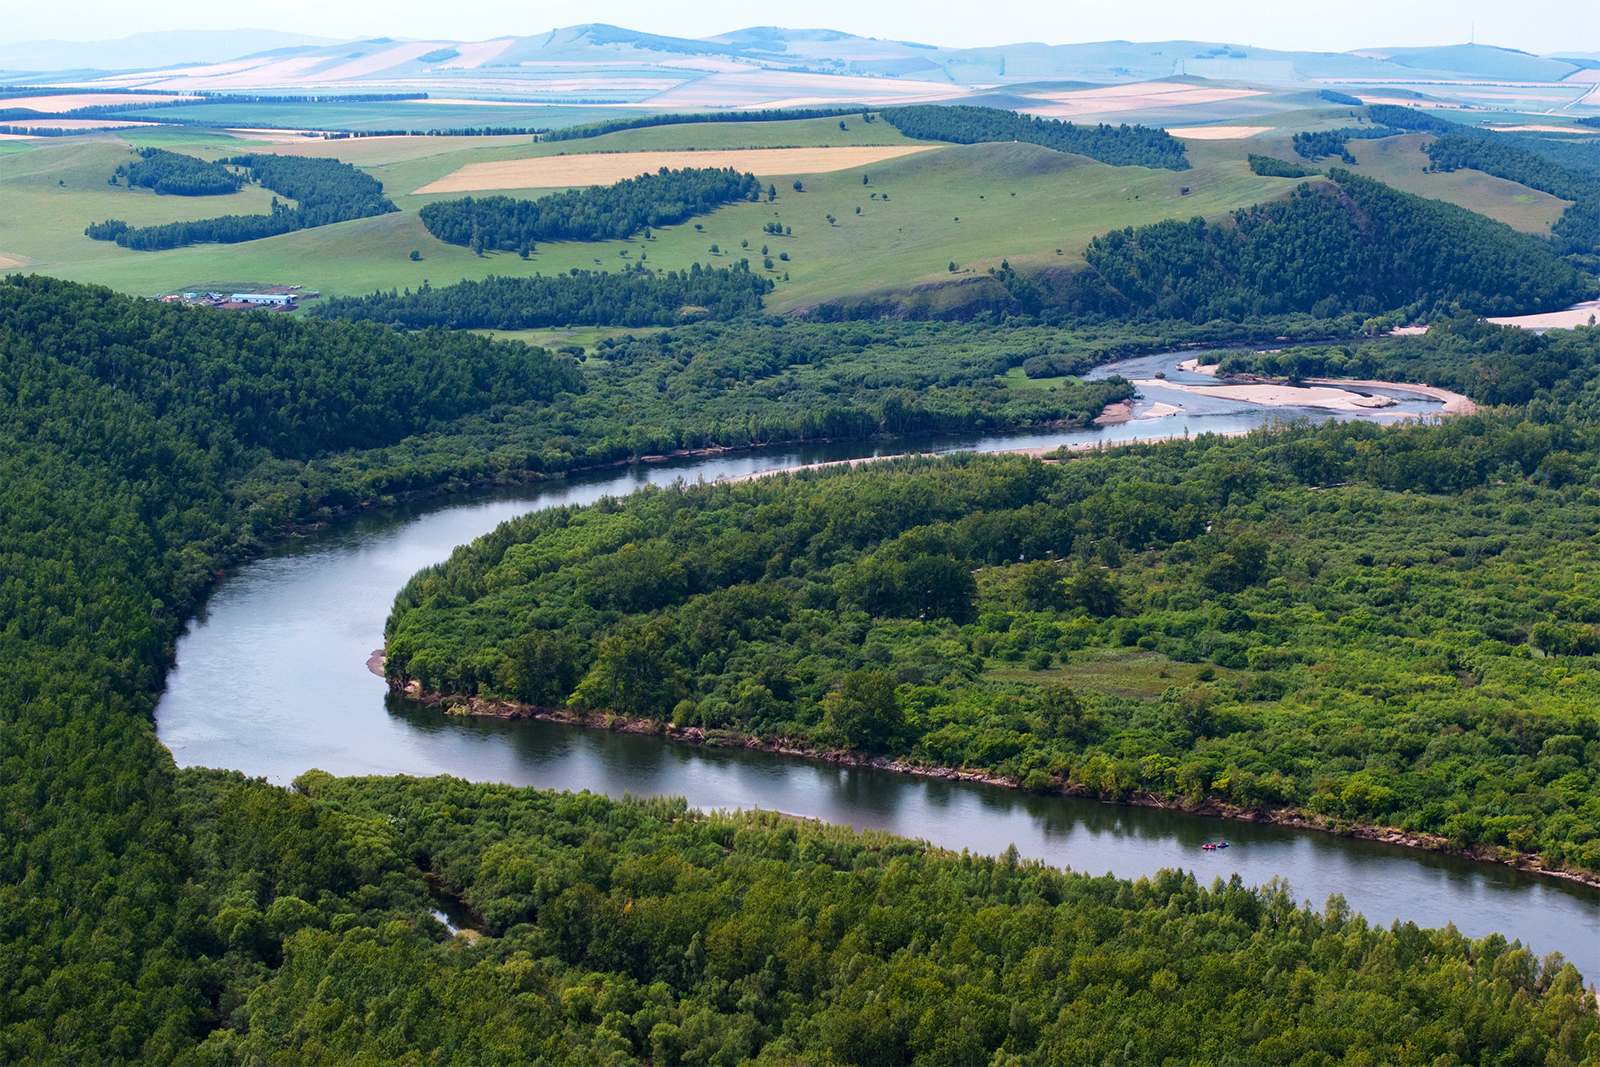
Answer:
(271, 679)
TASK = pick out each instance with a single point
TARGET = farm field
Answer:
(891, 226)
(594, 168)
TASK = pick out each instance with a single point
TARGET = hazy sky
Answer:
(1533, 25)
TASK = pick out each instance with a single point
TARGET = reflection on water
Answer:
(271, 680)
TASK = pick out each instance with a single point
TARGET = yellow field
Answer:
(1217, 133)
(595, 168)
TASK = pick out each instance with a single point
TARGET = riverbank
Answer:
(457, 704)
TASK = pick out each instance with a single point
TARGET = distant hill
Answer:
(159, 49)
(758, 66)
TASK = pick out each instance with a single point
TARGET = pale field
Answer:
(55, 104)
(73, 124)
(1217, 133)
(559, 172)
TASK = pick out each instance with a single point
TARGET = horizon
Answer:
(1541, 29)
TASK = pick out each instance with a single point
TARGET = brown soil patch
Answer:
(1131, 98)
(604, 168)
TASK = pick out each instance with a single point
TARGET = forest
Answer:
(1403, 646)
(325, 191)
(1120, 146)
(177, 174)
(640, 297)
(1272, 167)
(1341, 245)
(1577, 231)
(599, 213)
(198, 917)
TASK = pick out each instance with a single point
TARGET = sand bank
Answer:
(1278, 396)
(1158, 410)
(1194, 366)
(1576, 315)
(604, 168)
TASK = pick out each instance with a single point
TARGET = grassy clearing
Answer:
(1015, 379)
(1132, 673)
(588, 337)
(1399, 161)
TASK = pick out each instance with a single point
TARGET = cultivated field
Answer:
(560, 172)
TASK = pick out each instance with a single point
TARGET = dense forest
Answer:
(1367, 646)
(198, 917)
(1272, 167)
(325, 191)
(177, 174)
(589, 298)
(1345, 244)
(599, 213)
(1120, 146)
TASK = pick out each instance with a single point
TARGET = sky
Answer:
(1539, 26)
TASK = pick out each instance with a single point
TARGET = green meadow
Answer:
(894, 227)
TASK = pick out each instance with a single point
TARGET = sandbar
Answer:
(1160, 410)
(1194, 366)
(1279, 396)
(1576, 315)
(604, 168)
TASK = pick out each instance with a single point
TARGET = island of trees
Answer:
(599, 213)
(325, 191)
(1120, 146)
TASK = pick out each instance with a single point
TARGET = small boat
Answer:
(1222, 844)
(1209, 847)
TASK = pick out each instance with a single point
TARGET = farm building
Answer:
(286, 299)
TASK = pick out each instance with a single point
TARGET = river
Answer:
(271, 680)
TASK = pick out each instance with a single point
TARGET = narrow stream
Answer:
(271, 679)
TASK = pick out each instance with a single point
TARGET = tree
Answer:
(842, 126)
(952, 266)
(1093, 590)
(858, 210)
(863, 179)
(865, 709)
(797, 186)
(416, 256)
(772, 192)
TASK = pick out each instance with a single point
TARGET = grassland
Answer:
(896, 226)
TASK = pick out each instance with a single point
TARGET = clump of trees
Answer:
(599, 213)
(1272, 167)
(177, 174)
(1120, 146)
(325, 190)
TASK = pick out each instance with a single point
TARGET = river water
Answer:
(271, 679)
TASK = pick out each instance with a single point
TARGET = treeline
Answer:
(641, 122)
(1272, 167)
(198, 917)
(1349, 244)
(582, 297)
(178, 175)
(1120, 146)
(599, 213)
(1578, 228)
(325, 190)
(1317, 647)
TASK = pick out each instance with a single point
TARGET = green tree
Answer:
(865, 709)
